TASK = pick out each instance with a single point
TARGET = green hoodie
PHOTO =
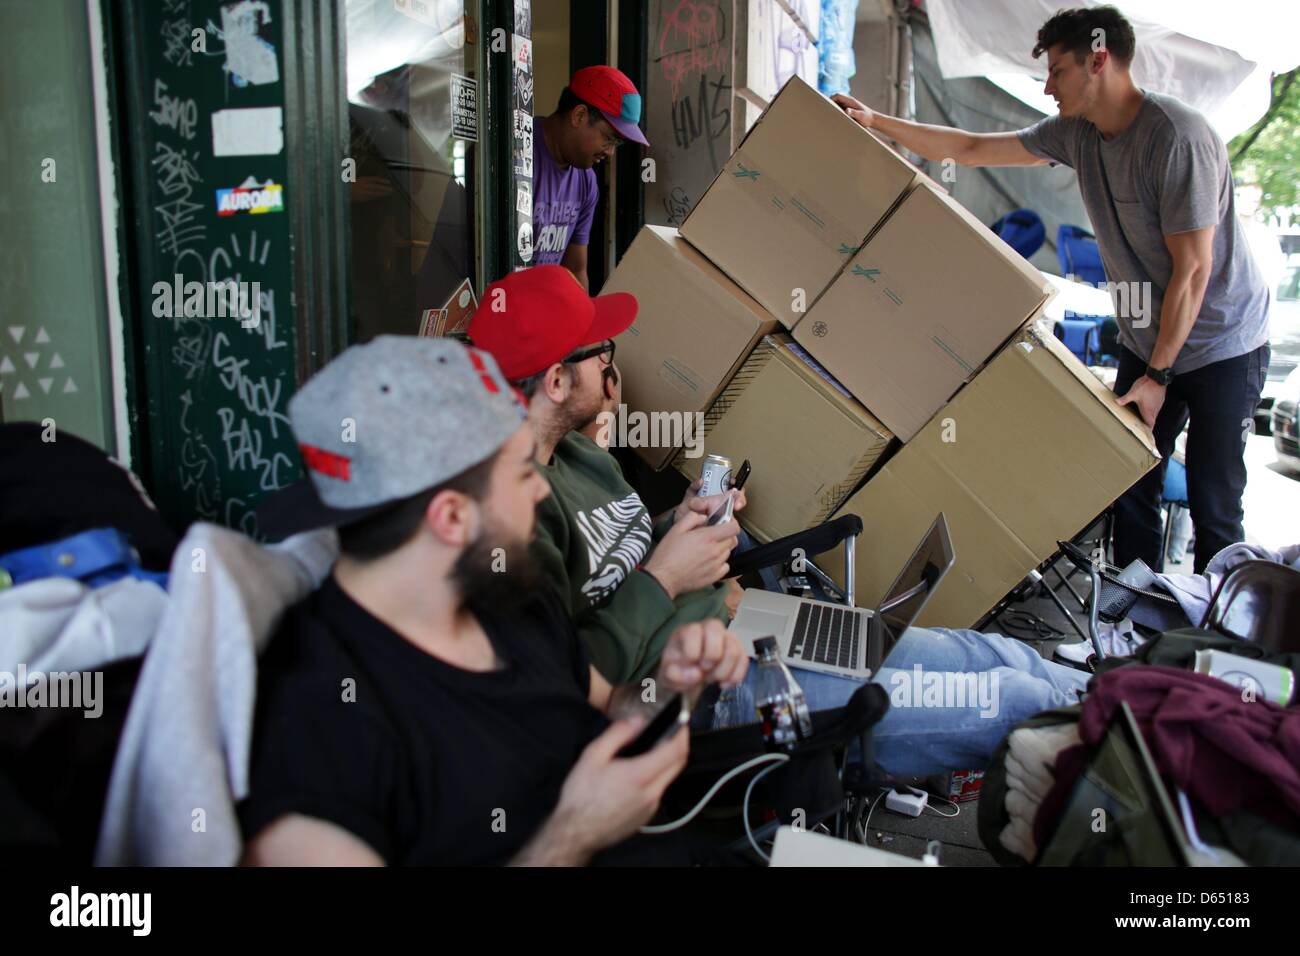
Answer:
(593, 533)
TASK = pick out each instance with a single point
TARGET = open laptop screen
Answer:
(918, 579)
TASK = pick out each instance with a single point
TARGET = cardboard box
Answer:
(796, 200)
(808, 441)
(693, 329)
(923, 305)
(1028, 453)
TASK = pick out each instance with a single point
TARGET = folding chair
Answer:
(1079, 254)
(1022, 230)
(1259, 602)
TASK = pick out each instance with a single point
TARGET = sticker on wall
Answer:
(523, 18)
(523, 143)
(464, 108)
(248, 132)
(252, 197)
(524, 198)
(523, 54)
(250, 56)
(526, 241)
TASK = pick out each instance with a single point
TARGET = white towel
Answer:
(182, 762)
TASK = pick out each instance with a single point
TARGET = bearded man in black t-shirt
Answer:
(429, 704)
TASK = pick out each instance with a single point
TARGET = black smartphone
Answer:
(741, 476)
(667, 722)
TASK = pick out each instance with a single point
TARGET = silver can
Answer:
(715, 476)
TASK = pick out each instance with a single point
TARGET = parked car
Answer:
(1286, 436)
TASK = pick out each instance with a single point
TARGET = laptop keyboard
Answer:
(824, 634)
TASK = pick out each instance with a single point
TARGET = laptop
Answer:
(846, 641)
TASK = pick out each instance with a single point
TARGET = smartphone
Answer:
(723, 513)
(741, 476)
(675, 715)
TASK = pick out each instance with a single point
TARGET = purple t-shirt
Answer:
(564, 201)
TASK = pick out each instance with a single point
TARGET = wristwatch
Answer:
(1161, 376)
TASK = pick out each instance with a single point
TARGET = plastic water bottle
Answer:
(782, 709)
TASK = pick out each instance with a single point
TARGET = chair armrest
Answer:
(812, 542)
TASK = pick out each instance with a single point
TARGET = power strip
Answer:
(908, 801)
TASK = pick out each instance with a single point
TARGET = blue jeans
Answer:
(953, 694)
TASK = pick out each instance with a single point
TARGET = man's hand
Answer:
(605, 799)
(703, 652)
(1149, 397)
(692, 555)
(860, 113)
(706, 505)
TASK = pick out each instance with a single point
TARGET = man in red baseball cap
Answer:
(628, 582)
(598, 110)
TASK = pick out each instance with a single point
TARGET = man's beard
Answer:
(579, 416)
(479, 581)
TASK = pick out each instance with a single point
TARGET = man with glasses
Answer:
(598, 110)
(626, 581)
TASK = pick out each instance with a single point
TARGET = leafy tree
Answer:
(1268, 154)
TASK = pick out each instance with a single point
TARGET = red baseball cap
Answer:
(536, 317)
(613, 94)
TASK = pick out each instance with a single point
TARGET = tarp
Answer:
(1215, 55)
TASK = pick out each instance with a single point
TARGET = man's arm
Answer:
(937, 143)
(297, 840)
(616, 633)
(1193, 259)
(575, 260)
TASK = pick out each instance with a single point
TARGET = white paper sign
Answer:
(248, 132)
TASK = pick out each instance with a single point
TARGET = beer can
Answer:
(715, 476)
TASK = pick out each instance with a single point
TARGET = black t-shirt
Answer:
(425, 762)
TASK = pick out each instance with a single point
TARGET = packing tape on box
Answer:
(680, 376)
(773, 198)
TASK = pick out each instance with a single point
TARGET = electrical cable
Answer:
(866, 824)
(1019, 620)
(956, 809)
(695, 811)
(744, 809)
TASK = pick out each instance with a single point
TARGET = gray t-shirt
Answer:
(1167, 173)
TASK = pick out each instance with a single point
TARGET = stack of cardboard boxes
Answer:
(910, 320)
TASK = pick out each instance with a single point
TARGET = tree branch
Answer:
(1268, 117)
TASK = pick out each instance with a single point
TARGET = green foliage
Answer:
(1268, 154)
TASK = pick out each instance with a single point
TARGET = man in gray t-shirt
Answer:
(1191, 304)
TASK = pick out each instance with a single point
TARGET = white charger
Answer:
(908, 801)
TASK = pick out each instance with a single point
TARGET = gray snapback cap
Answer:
(387, 420)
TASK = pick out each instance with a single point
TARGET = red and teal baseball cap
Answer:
(611, 92)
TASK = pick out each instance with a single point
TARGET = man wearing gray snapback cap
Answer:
(427, 704)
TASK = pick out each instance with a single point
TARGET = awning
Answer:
(1217, 56)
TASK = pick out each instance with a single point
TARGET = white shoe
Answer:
(1116, 640)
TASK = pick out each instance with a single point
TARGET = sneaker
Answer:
(1116, 640)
